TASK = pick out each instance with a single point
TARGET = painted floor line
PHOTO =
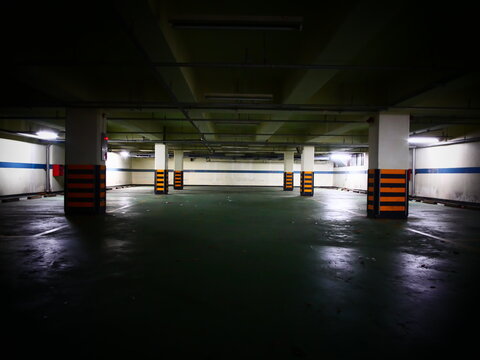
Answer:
(349, 211)
(51, 231)
(120, 208)
(428, 235)
(57, 228)
(353, 212)
(474, 249)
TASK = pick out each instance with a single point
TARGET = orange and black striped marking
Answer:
(161, 181)
(288, 181)
(306, 183)
(85, 189)
(387, 193)
(178, 180)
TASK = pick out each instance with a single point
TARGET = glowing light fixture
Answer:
(124, 154)
(47, 135)
(422, 140)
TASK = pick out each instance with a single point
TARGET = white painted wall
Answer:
(116, 166)
(451, 186)
(20, 181)
(448, 186)
(221, 172)
(15, 181)
(351, 177)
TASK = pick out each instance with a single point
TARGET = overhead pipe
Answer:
(247, 143)
(241, 65)
(232, 134)
(312, 108)
(226, 120)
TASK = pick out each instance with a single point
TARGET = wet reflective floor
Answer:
(231, 272)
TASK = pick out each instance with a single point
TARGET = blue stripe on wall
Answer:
(463, 170)
(231, 171)
(118, 169)
(351, 172)
(15, 165)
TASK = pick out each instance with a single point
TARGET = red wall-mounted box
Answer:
(57, 170)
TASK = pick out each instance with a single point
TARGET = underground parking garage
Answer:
(239, 180)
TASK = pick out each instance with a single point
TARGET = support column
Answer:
(306, 176)
(388, 164)
(85, 155)
(288, 158)
(161, 169)
(178, 170)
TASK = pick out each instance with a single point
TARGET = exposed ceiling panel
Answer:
(265, 76)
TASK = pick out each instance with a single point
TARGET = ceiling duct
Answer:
(238, 97)
(213, 22)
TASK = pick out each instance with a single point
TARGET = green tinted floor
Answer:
(222, 273)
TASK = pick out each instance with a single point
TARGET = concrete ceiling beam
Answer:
(359, 27)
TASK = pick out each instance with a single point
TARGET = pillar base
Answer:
(288, 181)
(85, 191)
(306, 183)
(161, 181)
(178, 180)
(387, 194)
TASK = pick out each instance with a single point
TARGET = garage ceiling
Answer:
(250, 77)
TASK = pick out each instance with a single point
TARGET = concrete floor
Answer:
(222, 273)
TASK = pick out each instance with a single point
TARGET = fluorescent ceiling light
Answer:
(422, 140)
(124, 154)
(238, 97)
(47, 135)
(340, 157)
(237, 22)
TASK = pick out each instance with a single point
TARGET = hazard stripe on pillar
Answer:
(161, 181)
(387, 195)
(306, 183)
(85, 189)
(178, 180)
(288, 181)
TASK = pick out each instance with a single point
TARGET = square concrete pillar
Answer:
(388, 166)
(307, 174)
(85, 155)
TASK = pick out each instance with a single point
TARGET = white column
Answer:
(388, 161)
(83, 136)
(308, 158)
(178, 158)
(288, 158)
(85, 155)
(161, 157)
(388, 142)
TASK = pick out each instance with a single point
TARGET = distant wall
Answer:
(445, 172)
(449, 172)
(203, 172)
(351, 177)
(118, 170)
(23, 167)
